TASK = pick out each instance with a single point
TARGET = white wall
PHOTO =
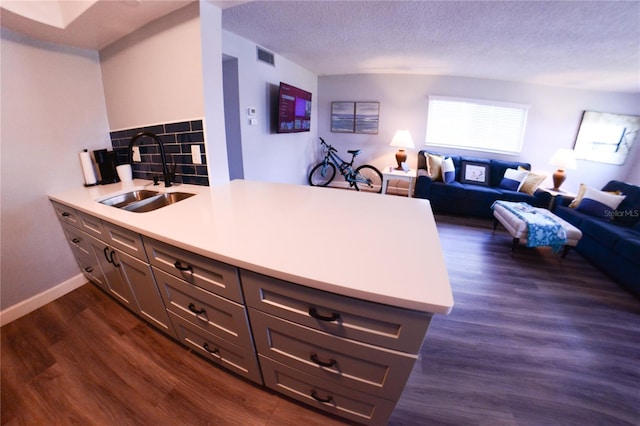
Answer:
(154, 75)
(554, 118)
(268, 156)
(52, 107)
(634, 167)
(211, 70)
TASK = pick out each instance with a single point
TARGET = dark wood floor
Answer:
(532, 340)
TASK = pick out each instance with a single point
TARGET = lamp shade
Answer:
(564, 159)
(402, 139)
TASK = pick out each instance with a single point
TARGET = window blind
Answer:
(476, 124)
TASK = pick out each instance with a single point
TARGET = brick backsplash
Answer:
(177, 139)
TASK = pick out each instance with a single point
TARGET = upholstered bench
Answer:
(518, 227)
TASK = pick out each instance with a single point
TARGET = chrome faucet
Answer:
(165, 170)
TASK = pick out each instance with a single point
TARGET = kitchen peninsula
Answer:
(324, 295)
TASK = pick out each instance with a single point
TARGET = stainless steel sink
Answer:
(157, 201)
(123, 200)
(141, 201)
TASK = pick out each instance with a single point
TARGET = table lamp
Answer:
(402, 139)
(564, 159)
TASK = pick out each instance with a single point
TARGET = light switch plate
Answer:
(196, 156)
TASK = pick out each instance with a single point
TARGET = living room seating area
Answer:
(610, 223)
(469, 186)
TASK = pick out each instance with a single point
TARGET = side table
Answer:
(391, 173)
(555, 194)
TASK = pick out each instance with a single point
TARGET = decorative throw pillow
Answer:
(448, 170)
(599, 203)
(434, 166)
(532, 182)
(513, 179)
(576, 201)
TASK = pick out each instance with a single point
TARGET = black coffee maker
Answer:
(107, 165)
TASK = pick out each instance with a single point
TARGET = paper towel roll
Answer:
(87, 168)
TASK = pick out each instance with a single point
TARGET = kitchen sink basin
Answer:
(145, 201)
(157, 201)
(123, 200)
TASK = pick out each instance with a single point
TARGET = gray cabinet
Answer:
(345, 356)
(114, 259)
(83, 251)
(204, 301)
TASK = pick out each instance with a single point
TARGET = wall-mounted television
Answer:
(294, 109)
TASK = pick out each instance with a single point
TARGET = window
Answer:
(476, 124)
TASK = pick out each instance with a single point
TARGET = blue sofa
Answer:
(612, 243)
(471, 199)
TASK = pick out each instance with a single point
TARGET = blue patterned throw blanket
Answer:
(542, 230)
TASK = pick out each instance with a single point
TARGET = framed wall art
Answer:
(606, 137)
(355, 117)
(367, 117)
(475, 173)
(343, 117)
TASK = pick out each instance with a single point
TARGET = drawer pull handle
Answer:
(314, 358)
(215, 351)
(179, 267)
(193, 309)
(314, 313)
(75, 240)
(106, 254)
(116, 264)
(327, 400)
(88, 269)
(65, 214)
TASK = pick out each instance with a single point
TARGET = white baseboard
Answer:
(39, 300)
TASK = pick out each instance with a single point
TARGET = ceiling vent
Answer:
(266, 56)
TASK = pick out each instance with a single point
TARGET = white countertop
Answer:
(341, 241)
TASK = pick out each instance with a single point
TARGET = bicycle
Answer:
(364, 178)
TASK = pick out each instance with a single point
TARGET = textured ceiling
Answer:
(591, 45)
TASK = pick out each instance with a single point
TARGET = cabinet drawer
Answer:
(78, 240)
(325, 395)
(211, 275)
(66, 214)
(92, 226)
(236, 359)
(360, 366)
(367, 322)
(91, 269)
(221, 317)
(125, 240)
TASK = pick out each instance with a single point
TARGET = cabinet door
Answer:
(146, 300)
(114, 281)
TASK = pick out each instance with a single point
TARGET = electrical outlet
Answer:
(196, 156)
(136, 154)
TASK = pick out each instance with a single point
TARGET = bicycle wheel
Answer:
(368, 179)
(322, 174)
